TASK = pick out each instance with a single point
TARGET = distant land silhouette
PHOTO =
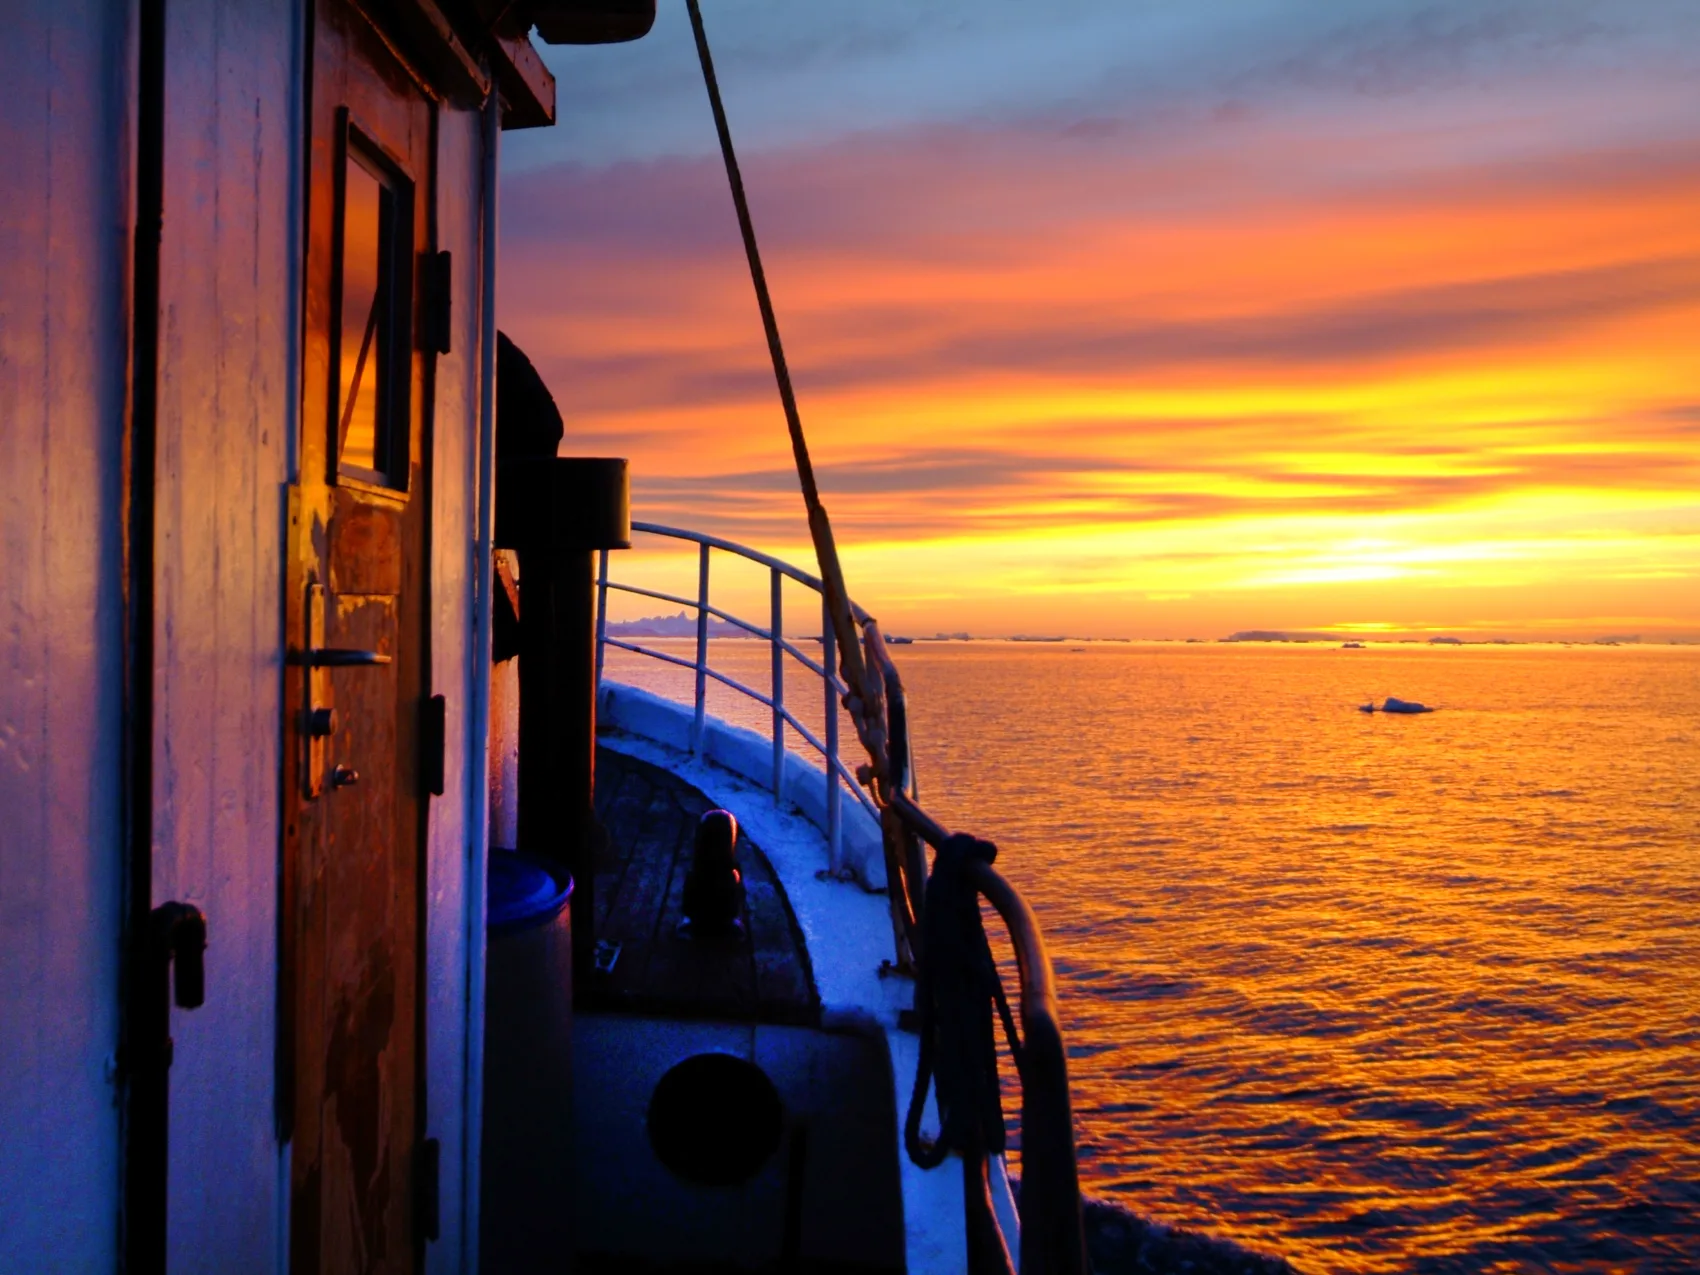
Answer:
(681, 625)
(684, 625)
(1279, 635)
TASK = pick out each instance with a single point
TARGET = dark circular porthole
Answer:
(715, 1119)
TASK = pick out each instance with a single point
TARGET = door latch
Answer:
(433, 744)
(343, 657)
(439, 295)
(179, 939)
(318, 718)
(427, 1207)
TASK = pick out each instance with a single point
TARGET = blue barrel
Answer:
(526, 1221)
(524, 892)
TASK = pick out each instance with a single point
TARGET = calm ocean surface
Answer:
(1375, 993)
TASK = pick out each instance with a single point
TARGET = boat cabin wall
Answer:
(228, 402)
(456, 847)
(64, 254)
(229, 416)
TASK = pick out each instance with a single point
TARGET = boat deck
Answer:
(762, 975)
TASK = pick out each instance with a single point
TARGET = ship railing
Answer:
(839, 776)
(1051, 1241)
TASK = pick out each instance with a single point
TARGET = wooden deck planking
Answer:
(625, 791)
(633, 915)
(759, 975)
(781, 978)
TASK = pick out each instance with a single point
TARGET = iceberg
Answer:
(1393, 705)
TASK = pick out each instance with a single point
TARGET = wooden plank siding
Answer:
(64, 260)
(229, 412)
(227, 404)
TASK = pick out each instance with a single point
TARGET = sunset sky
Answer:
(1151, 318)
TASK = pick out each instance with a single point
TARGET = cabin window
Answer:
(374, 249)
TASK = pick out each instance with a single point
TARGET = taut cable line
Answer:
(864, 693)
(957, 980)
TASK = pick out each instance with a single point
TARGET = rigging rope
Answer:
(865, 695)
(958, 988)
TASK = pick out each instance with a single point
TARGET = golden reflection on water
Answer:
(1375, 993)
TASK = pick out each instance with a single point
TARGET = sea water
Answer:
(1376, 993)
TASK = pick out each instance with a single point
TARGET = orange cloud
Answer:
(1235, 377)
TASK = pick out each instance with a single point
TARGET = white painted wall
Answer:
(64, 254)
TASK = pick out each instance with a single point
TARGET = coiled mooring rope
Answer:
(956, 990)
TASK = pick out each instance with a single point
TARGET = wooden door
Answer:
(359, 684)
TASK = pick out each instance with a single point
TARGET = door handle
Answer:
(318, 720)
(344, 657)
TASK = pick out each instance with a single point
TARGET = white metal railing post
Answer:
(829, 660)
(601, 616)
(776, 629)
(702, 650)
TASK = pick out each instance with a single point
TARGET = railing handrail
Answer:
(754, 630)
(1051, 1238)
(744, 551)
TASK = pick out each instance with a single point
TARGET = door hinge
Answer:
(439, 301)
(433, 744)
(428, 1206)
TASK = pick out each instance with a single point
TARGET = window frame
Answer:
(393, 415)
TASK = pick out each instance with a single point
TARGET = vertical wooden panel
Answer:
(455, 492)
(63, 339)
(227, 403)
